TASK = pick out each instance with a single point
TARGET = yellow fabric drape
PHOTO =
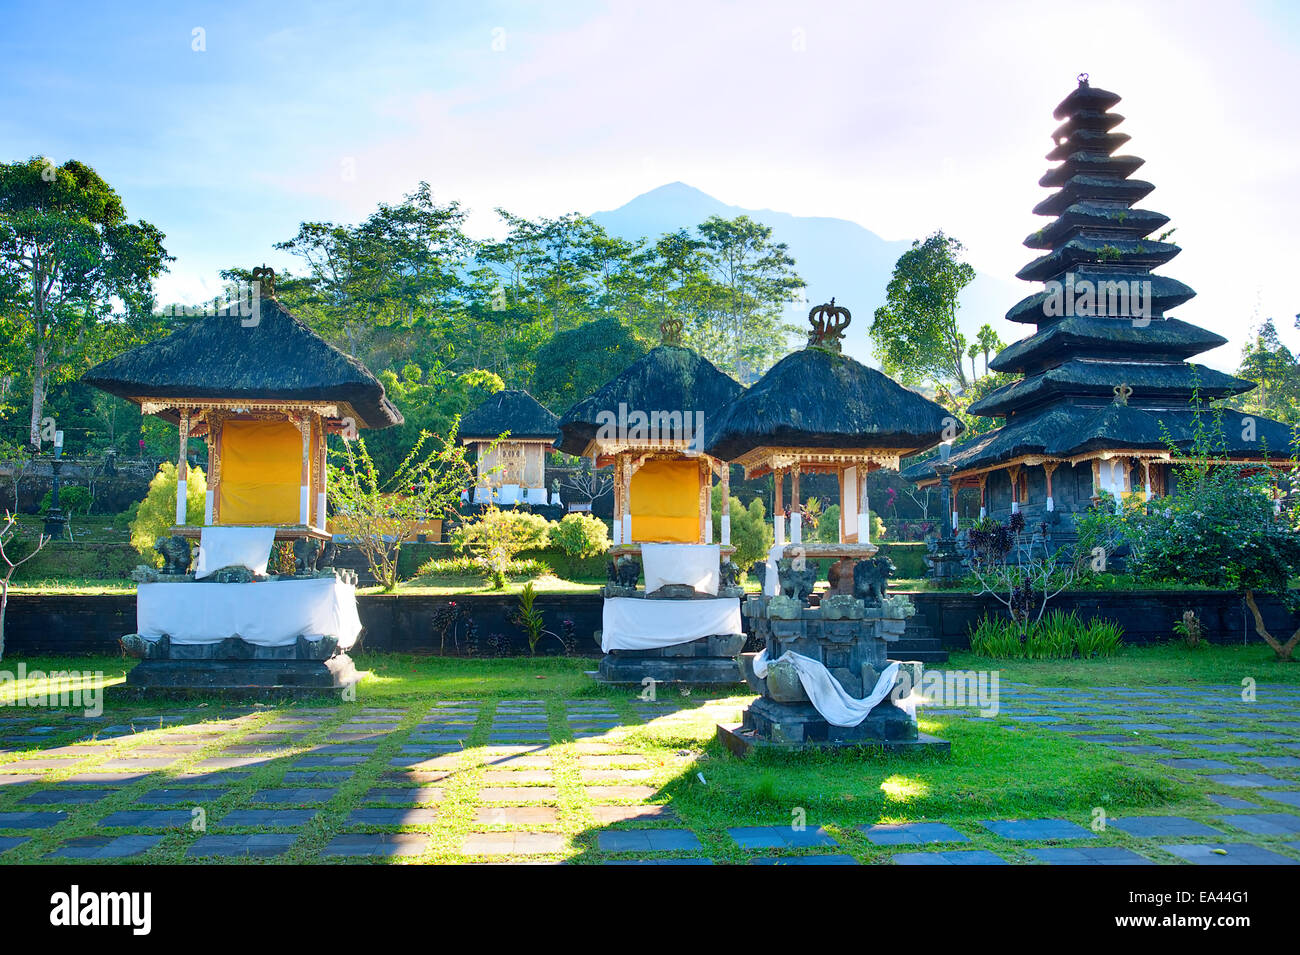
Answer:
(261, 471)
(666, 501)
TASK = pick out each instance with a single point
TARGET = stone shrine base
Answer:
(236, 669)
(706, 660)
(741, 740)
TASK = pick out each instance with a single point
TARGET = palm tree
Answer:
(988, 342)
(973, 353)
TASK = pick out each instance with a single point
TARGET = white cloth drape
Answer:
(270, 613)
(233, 547)
(771, 580)
(828, 697)
(694, 564)
(634, 623)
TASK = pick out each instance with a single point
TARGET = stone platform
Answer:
(741, 742)
(706, 660)
(237, 669)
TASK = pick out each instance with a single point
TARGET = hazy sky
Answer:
(904, 117)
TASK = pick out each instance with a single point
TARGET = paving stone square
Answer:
(1237, 853)
(513, 843)
(372, 816)
(105, 847)
(1232, 802)
(299, 797)
(805, 860)
(1247, 780)
(1265, 823)
(257, 845)
(647, 840)
(1089, 855)
(10, 842)
(780, 837)
(912, 833)
(33, 819)
(252, 818)
(951, 857)
(1151, 826)
(64, 797)
(376, 844)
(1027, 830)
(1290, 797)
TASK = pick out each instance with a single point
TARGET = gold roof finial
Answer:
(670, 331)
(1122, 393)
(828, 324)
(265, 275)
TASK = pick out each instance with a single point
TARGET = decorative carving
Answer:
(796, 584)
(670, 331)
(624, 572)
(871, 579)
(828, 323)
(1122, 393)
(175, 551)
(306, 555)
(265, 276)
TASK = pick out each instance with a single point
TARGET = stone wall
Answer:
(38, 624)
(113, 492)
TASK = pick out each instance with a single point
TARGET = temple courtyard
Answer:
(1156, 756)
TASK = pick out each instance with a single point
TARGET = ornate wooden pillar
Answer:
(182, 467)
(617, 528)
(864, 506)
(726, 504)
(303, 423)
(1013, 472)
(796, 509)
(322, 474)
(1146, 467)
(627, 499)
(778, 507)
(984, 495)
(209, 498)
(1049, 468)
(706, 501)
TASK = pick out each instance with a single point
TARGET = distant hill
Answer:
(836, 257)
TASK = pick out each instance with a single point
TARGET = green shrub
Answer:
(496, 538)
(1101, 638)
(994, 637)
(751, 535)
(467, 566)
(157, 512)
(1057, 636)
(73, 499)
(580, 535)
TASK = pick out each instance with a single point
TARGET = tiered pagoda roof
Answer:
(1106, 372)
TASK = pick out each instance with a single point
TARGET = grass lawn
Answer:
(646, 755)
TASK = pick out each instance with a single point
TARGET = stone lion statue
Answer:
(871, 579)
(175, 551)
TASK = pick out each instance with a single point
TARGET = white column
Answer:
(864, 507)
(778, 509)
(304, 489)
(726, 505)
(1147, 466)
(796, 511)
(182, 468)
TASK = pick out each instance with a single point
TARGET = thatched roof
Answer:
(513, 410)
(277, 359)
(819, 398)
(667, 379)
(1065, 431)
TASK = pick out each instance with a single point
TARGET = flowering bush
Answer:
(580, 535)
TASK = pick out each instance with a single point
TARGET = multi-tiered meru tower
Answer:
(1104, 402)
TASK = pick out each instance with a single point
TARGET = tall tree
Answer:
(67, 255)
(741, 308)
(915, 332)
(1273, 368)
(575, 363)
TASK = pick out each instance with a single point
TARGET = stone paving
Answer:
(566, 780)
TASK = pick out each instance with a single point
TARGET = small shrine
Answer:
(263, 390)
(1102, 403)
(823, 676)
(514, 470)
(650, 424)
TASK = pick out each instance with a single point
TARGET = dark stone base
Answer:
(632, 668)
(796, 724)
(241, 679)
(741, 742)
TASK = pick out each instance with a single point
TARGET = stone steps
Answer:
(918, 643)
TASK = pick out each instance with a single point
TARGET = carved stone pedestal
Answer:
(706, 660)
(238, 669)
(851, 640)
